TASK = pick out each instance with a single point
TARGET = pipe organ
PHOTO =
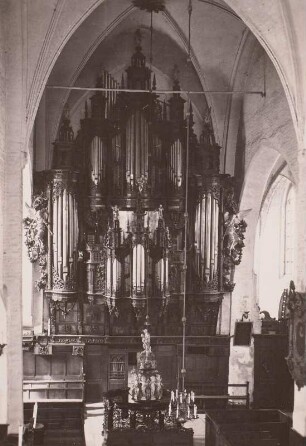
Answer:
(114, 236)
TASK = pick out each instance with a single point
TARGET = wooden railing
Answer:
(225, 399)
(60, 390)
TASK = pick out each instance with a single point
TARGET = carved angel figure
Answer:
(145, 336)
(36, 225)
(115, 212)
(233, 235)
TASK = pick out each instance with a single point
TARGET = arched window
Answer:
(274, 247)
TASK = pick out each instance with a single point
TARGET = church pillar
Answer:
(299, 415)
(14, 150)
(3, 357)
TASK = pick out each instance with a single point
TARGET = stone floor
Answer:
(94, 420)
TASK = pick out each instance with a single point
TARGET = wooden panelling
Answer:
(58, 365)
(273, 385)
(28, 364)
(42, 365)
(58, 376)
(96, 364)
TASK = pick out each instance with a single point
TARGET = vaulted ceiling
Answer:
(221, 47)
(224, 53)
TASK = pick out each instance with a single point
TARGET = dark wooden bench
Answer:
(63, 422)
(246, 427)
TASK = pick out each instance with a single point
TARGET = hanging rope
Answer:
(189, 29)
(183, 370)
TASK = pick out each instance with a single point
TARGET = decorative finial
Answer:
(207, 117)
(115, 212)
(66, 113)
(154, 83)
(175, 77)
(161, 212)
(138, 38)
(65, 130)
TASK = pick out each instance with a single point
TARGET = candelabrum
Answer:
(182, 406)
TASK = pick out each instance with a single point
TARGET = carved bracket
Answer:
(78, 350)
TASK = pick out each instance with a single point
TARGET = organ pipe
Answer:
(64, 228)
(97, 160)
(175, 168)
(137, 148)
(206, 236)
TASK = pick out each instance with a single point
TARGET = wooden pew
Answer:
(245, 427)
(63, 422)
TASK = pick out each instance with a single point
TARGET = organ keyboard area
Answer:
(111, 211)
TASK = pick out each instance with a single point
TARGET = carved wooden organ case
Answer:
(108, 225)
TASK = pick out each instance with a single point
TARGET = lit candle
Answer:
(35, 415)
(188, 412)
(181, 397)
(172, 395)
(20, 435)
(176, 393)
(192, 396)
(169, 409)
(195, 411)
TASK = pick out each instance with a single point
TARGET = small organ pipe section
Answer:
(65, 229)
(207, 236)
(137, 149)
(138, 270)
(162, 276)
(175, 169)
(107, 81)
(97, 160)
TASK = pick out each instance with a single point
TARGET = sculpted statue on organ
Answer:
(116, 197)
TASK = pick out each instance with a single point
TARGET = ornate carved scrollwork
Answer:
(296, 359)
(36, 226)
(233, 239)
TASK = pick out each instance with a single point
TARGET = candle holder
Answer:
(182, 406)
(1, 348)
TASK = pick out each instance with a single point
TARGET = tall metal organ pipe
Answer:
(206, 236)
(64, 225)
